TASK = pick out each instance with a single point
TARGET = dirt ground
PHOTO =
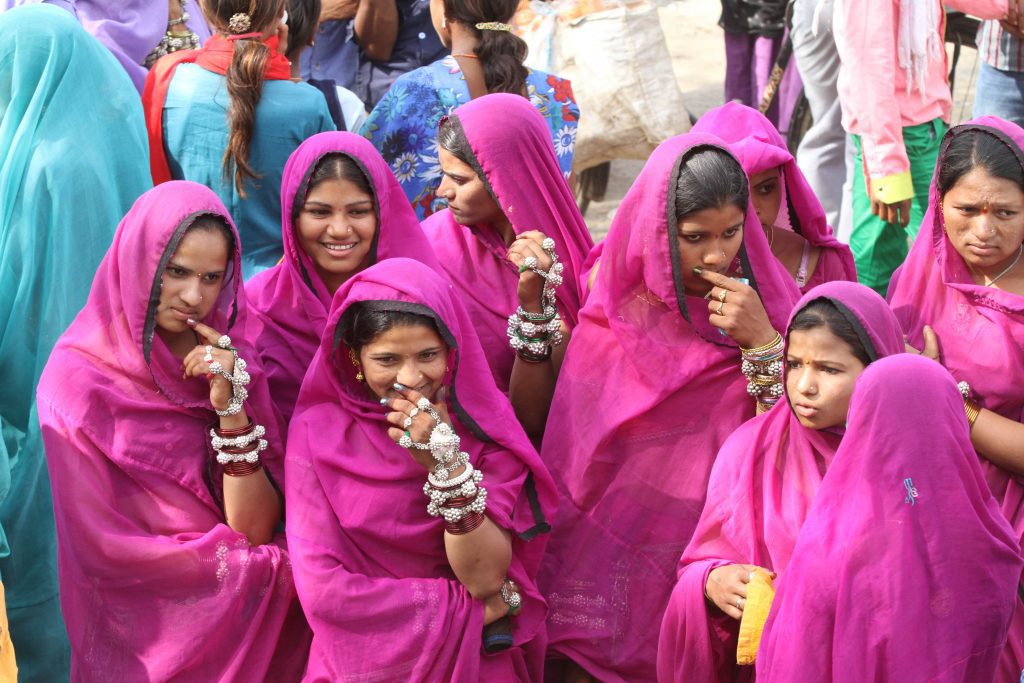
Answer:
(698, 60)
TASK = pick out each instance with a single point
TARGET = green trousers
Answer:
(880, 247)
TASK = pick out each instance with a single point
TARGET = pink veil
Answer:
(370, 564)
(154, 584)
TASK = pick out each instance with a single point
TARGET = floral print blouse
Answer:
(403, 125)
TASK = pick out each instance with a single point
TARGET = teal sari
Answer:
(73, 158)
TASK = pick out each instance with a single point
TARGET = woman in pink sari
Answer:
(505, 196)
(766, 476)
(904, 570)
(392, 591)
(963, 285)
(806, 246)
(651, 387)
(169, 564)
(341, 211)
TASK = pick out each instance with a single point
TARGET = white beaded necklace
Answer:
(1008, 268)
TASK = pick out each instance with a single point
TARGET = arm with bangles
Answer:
(479, 551)
(532, 384)
(252, 506)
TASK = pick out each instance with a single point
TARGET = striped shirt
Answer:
(998, 48)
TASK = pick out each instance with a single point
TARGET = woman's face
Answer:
(766, 195)
(336, 226)
(821, 371)
(411, 355)
(192, 280)
(709, 239)
(468, 198)
(984, 219)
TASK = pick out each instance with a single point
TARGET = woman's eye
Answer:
(830, 371)
(212, 278)
(174, 271)
(792, 364)
(428, 355)
(1006, 213)
(766, 189)
(732, 232)
(692, 239)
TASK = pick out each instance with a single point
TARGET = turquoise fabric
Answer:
(196, 135)
(73, 158)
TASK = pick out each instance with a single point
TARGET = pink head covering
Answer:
(512, 146)
(154, 584)
(647, 394)
(370, 563)
(759, 146)
(981, 334)
(905, 570)
(290, 300)
(761, 487)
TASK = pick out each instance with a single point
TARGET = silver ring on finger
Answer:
(209, 354)
(739, 603)
(721, 307)
(414, 412)
(721, 295)
(224, 342)
(407, 423)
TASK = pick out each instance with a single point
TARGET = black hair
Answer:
(710, 178)
(840, 322)
(335, 166)
(501, 53)
(213, 223)
(452, 138)
(303, 17)
(976, 148)
(361, 324)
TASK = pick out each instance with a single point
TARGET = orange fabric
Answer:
(760, 594)
(214, 56)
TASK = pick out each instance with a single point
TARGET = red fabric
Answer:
(214, 56)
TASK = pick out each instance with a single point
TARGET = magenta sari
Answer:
(904, 570)
(512, 145)
(759, 146)
(154, 584)
(290, 300)
(647, 394)
(981, 335)
(370, 563)
(761, 488)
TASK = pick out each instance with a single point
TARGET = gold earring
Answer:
(355, 362)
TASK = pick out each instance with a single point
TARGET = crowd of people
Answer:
(314, 371)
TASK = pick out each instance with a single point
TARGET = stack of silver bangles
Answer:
(533, 335)
(172, 42)
(762, 366)
(239, 378)
(445, 447)
(254, 438)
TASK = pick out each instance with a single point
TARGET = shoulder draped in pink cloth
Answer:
(759, 147)
(761, 487)
(647, 394)
(154, 584)
(370, 563)
(981, 332)
(904, 570)
(512, 145)
(290, 300)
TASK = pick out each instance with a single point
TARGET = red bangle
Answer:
(460, 502)
(242, 469)
(241, 431)
(468, 523)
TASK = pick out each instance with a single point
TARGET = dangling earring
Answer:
(355, 362)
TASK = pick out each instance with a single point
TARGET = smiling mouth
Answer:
(338, 247)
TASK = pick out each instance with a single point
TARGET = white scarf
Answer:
(919, 40)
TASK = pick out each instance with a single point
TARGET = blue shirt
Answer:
(333, 56)
(196, 136)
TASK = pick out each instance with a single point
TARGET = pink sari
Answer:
(904, 570)
(290, 300)
(370, 563)
(154, 584)
(759, 147)
(512, 145)
(981, 335)
(761, 488)
(647, 394)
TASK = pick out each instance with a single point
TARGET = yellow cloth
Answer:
(893, 188)
(760, 594)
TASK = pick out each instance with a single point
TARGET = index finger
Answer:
(718, 280)
(206, 332)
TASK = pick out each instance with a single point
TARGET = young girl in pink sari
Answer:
(806, 247)
(960, 296)
(506, 196)
(341, 211)
(169, 564)
(904, 569)
(766, 477)
(393, 591)
(651, 387)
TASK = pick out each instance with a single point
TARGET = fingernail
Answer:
(383, 401)
(697, 270)
(190, 322)
(399, 387)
